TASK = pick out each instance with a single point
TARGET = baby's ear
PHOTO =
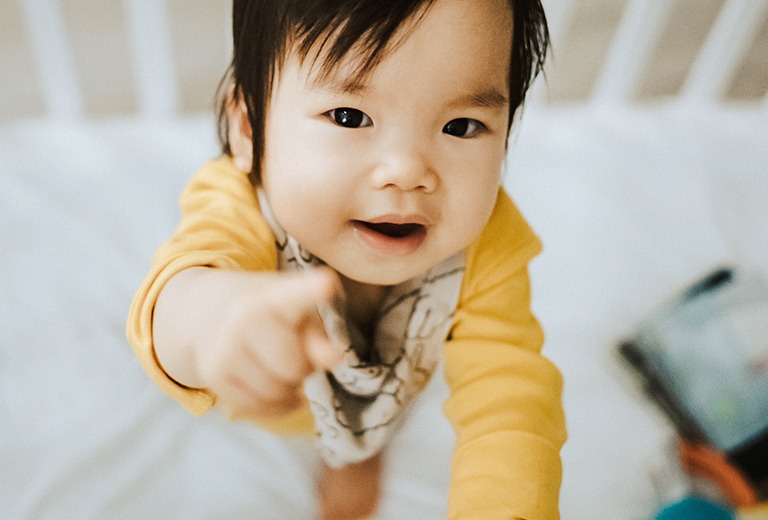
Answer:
(239, 132)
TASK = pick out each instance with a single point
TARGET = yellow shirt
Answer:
(505, 397)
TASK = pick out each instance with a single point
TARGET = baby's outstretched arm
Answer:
(248, 337)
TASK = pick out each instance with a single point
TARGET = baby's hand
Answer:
(251, 338)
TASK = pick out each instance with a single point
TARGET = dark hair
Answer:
(264, 30)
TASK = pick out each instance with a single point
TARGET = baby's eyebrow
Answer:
(486, 98)
(334, 85)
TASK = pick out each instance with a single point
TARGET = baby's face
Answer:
(386, 180)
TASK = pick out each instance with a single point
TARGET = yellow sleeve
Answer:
(221, 226)
(505, 402)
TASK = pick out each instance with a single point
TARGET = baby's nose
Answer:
(407, 167)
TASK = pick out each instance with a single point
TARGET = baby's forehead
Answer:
(335, 60)
(350, 72)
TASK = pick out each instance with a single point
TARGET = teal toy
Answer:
(695, 508)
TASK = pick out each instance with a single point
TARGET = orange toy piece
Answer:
(702, 460)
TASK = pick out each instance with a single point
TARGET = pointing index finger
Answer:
(301, 294)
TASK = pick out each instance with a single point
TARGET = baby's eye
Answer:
(350, 117)
(463, 127)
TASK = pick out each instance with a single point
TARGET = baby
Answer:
(355, 234)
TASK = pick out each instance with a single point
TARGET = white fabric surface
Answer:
(631, 205)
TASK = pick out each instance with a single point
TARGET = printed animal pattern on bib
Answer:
(358, 406)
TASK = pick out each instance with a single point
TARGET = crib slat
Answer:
(150, 40)
(55, 67)
(558, 14)
(722, 52)
(630, 51)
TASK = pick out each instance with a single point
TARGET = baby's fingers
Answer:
(299, 344)
(322, 353)
(316, 289)
(301, 293)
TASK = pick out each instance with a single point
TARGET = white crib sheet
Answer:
(630, 205)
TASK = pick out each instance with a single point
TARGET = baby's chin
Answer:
(380, 278)
(382, 275)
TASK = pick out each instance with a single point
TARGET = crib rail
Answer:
(651, 50)
(56, 71)
(149, 31)
(171, 54)
(599, 58)
(729, 41)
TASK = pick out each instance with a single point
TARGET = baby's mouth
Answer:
(392, 230)
(391, 238)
